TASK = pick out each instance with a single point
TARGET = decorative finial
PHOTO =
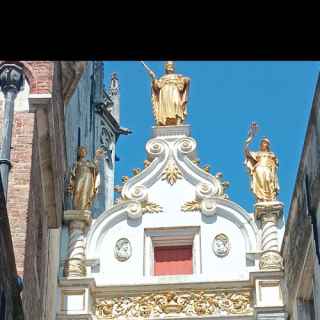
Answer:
(146, 163)
(114, 85)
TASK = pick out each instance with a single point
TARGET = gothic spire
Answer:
(114, 88)
(114, 93)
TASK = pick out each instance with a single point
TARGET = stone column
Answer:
(78, 221)
(11, 81)
(269, 213)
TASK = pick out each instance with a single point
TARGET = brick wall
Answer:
(19, 183)
(36, 185)
(39, 77)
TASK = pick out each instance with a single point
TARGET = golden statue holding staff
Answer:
(84, 180)
(262, 166)
(169, 96)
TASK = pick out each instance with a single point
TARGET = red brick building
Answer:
(35, 188)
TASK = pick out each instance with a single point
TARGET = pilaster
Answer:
(77, 220)
(268, 213)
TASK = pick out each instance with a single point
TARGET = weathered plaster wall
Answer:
(301, 241)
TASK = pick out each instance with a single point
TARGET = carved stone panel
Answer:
(168, 304)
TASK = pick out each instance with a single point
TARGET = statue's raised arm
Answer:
(150, 72)
(250, 160)
(251, 134)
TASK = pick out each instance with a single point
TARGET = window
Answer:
(172, 251)
(172, 260)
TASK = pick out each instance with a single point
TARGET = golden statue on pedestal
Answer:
(262, 166)
(169, 96)
(84, 180)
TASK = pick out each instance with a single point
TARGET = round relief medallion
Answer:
(122, 249)
(221, 245)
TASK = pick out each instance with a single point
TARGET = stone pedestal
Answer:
(75, 299)
(171, 131)
(78, 221)
(269, 213)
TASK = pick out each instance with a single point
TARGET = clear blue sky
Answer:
(225, 97)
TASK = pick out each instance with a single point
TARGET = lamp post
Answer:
(11, 82)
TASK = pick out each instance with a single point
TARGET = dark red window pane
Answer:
(173, 260)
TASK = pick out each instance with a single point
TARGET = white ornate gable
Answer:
(173, 195)
(234, 268)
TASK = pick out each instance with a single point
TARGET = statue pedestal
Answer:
(77, 220)
(268, 213)
(268, 208)
(171, 131)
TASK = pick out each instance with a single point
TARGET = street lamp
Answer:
(11, 82)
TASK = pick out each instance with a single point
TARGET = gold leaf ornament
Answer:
(160, 305)
(171, 173)
(151, 207)
(191, 206)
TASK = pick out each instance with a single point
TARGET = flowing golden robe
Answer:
(84, 182)
(169, 99)
(262, 167)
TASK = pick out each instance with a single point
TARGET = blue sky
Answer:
(225, 97)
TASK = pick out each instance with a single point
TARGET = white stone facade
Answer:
(173, 201)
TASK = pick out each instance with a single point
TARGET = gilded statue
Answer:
(169, 96)
(262, 166)
(84, 180)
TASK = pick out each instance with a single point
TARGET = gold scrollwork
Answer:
(151, 207)
(191, 303)
(194, 205)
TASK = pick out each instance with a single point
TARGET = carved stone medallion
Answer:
(221, 245)
(122, 249)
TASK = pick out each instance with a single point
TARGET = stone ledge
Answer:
(271, 313)
(40, 100)
(65, 316)
(266, 274)
(171, 131)
(77, 215)
(77, 282)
